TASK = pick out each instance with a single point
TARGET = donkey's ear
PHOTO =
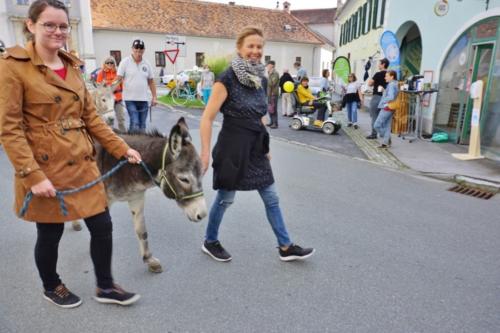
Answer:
(114, 85)
(175, 141)
(184, 130)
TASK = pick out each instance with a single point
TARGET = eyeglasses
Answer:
(109, 63)
(52, 27)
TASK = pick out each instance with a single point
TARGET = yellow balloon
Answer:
(288, 86)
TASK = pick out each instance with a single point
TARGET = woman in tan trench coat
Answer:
(47, 124)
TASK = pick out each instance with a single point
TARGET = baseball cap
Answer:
(138, 44)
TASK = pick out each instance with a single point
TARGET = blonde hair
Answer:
(248, 31)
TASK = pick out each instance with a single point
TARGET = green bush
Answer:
(218, 64)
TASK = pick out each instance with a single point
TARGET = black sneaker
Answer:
(355, 126)
(62, 297)
(216, 251)
(349, 124)
(116, 295)
(371, 137)
(295, 252)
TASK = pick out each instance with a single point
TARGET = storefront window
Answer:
(453, 86)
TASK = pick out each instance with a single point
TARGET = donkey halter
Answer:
(162, 180)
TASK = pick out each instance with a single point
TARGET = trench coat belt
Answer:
(61, 124)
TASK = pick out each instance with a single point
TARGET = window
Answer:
(200, 59)
(23, 2)
(117, 55)
(298, 59)
(160, 59)
(267, 58)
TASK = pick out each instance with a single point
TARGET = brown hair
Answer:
(353, 77)
(393, 74)
(37, 8)
(248, 31)
(324, 73)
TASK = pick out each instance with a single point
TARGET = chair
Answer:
(302, 109)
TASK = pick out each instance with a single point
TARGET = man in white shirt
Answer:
(137, 76)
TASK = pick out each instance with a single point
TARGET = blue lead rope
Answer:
(61, 194)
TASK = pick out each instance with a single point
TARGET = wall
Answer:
(325, 29)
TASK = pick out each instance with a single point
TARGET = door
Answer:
(483, 56)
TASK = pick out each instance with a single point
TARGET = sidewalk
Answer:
(425, 157)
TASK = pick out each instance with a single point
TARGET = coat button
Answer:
(71, 162)
(58, 99)
(76, 97)
(45, 157)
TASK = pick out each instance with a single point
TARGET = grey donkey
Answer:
(106, 106)
(180, 179)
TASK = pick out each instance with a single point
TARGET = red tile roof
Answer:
(197, 18)
(315, 16)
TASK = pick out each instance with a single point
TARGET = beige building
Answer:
(208, 29)
(358, 27)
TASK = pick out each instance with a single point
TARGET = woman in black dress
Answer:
(241, 154)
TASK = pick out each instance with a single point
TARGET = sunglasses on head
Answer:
(139, 47)
(109, 63)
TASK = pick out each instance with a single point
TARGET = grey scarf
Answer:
(249, 74)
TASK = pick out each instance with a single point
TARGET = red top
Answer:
(61, 72)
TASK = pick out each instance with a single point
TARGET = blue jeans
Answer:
(138, 113)
(206, 94)
(352, 112)
(271, 201)
(383, 125)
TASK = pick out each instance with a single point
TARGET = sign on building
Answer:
(173, 42)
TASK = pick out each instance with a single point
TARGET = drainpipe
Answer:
(313, 61)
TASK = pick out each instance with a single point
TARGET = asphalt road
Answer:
(394, 253)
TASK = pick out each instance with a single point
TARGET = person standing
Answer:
(301, 71)
(48, 123)
(353, 99)
(137, 76)
(207, 81)
(273, 91)
(384, 120)
(108, 75)
(243, 141)
(379, 84)
(286, 97)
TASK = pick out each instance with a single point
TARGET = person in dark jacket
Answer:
(286, 97)
(241, 158)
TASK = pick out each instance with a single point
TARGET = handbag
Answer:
(394, 105)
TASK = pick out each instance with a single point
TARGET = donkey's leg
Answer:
(77, 226)
(136, 205)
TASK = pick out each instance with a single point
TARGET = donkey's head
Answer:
(180, 177)
(104, 102)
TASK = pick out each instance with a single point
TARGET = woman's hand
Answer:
(44, 189)
(133, 156)
(268, 155)
(205, 160)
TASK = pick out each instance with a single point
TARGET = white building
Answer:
(208, 29)
(13, 14)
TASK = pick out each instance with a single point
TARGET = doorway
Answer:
(482, 65)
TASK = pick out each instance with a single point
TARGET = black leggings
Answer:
(101, 245)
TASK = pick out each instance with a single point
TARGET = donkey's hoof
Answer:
(76, 225)
(154, 265)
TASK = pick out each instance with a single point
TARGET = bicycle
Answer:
(181, 95)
